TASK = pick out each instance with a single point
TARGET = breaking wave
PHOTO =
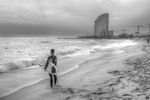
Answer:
(16, 65)
(69, 51)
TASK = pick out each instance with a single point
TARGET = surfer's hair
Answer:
(52, 50)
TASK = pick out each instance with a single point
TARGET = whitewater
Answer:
(22, 59)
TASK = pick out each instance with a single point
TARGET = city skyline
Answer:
(68, 17)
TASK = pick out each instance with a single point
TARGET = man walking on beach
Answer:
(51, 63)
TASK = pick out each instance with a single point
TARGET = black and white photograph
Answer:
(74, 49)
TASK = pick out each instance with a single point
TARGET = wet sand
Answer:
(104, 77)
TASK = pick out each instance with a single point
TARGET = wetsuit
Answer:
(54, 61)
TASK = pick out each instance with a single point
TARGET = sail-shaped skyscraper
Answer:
(101, 27)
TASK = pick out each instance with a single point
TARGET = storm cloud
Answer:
(68, 17)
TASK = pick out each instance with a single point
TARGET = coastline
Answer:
(91, 86)
(37, 73)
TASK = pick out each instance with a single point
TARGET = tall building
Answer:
(110, 33)
(101, 27)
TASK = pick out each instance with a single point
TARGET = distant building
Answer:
(101, 26)
(123, 35)
(110, 33)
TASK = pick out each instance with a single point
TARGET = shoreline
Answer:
(27, 63)
(19, 88)
(47, 78)
(65, 91)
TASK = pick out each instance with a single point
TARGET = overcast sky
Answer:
(68, 17)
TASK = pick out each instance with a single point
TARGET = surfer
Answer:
(50, 67)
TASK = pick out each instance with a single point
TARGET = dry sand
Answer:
(119, 75)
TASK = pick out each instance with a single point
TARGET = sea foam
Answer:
(65, 49)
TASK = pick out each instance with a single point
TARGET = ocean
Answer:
(19, 53)
(20, 58)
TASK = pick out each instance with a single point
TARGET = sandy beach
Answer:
(74, 49)
(120, 74)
